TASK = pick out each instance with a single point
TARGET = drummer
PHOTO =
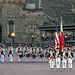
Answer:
(19, 51)
(39, 52)
(33, 51)
(25, 52)
(10, 53)
(46, 51)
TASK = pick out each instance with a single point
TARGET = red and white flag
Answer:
(62, 43)
(57, 43)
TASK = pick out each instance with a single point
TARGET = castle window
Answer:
(10, 29)
(31, 27)
(11, 22)
(74, 20)
(34, 30)
(11, 26)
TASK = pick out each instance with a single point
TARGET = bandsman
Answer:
(70, 58)
(64, 58)
(19, 52)
(26, 53)
(40, 54)
(54, 52)
(46, 51)
(10, 53)
(33, 53)
(73, 49)
(2, 53)
(51, 59)
(57, 56)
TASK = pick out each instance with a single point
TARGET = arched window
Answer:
(11, 26)
(74, 20)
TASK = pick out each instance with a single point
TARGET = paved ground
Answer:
(30, 68)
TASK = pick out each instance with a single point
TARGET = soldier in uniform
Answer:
(46, 53)
(54, 52)
(57, 58)
(10, 53)
(25, 52)
(70, 57)
(19, 52)
(33, 53)
(51, 59)
(64, 58)
(73, 49)
(2, 53)
(40, 54)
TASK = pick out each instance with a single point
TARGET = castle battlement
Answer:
(12, 1)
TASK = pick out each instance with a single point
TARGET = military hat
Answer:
(39, 45)
(69, 48)
(57, 48)
(32, 45)
(64, 49)
(49, 45)
(19, 45)
(10, 44)
(25, 44)
(46, 47)
(50, 49)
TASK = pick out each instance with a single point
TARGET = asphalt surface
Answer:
(30, 68)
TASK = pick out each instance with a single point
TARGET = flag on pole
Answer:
(62, 43)
(57, 43)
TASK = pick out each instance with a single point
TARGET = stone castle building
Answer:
(35, 18)
(22, 22)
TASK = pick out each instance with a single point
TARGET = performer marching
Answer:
(26, 53)
(51, 59)
(57, 58)
(73, 49)
(19, 52)
(46, 53)
(64, 58)
(2, 54)
(10, 53)
(54, 52)
(70, 57)
(33, 53)
(40, 54)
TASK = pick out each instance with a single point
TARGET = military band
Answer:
(52, 54)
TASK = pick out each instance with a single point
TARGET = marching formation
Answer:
(53, 55)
